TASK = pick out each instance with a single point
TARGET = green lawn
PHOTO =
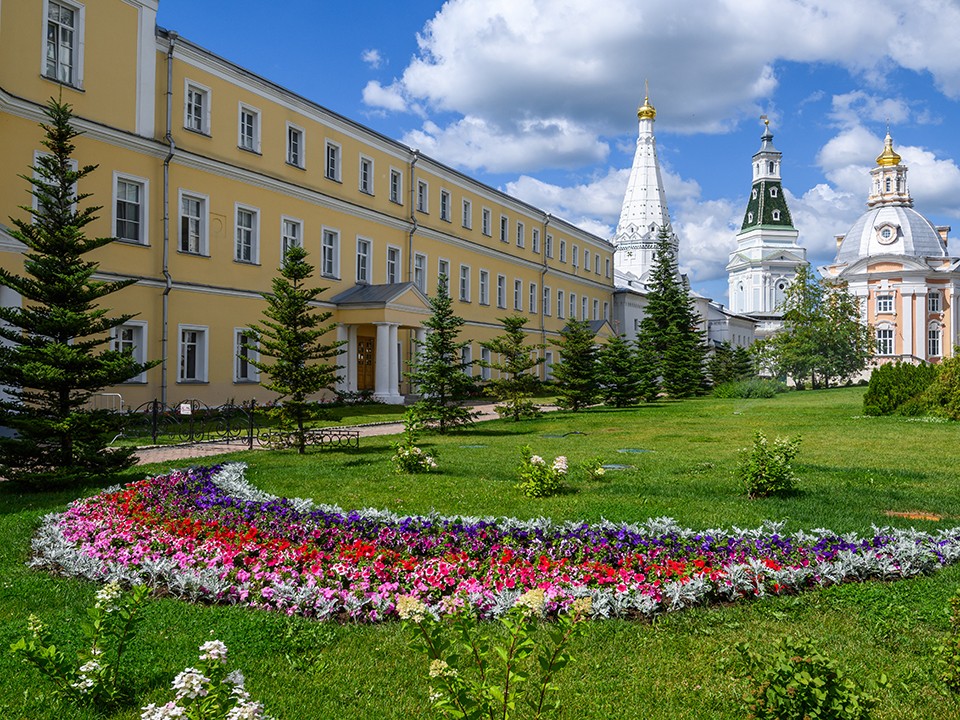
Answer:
(854, 471)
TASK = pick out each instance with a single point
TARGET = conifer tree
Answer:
(618, 374)
(57, 351)
(648, 371)
(517, 383)
(743, 365)
(670, 325)
(438, 370)
(720, 365)
(292, 335)
(575, 373)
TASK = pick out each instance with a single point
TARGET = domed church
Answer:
(897, 263)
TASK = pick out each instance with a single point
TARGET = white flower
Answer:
(410, 608)
(191, 683)
(560, 465)
(439, 668)
(35, 626)
(537, 460)
(246, 711)
(170, 711)
(213, 650)
(108, 596)
(87, 676)
(533, 600)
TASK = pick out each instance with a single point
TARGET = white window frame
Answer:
(548, 365)
(573, 306)
(299, 159)
(521, 235)
(466, 219)
(203, 231)
(207, 96)
(144, 206)
(563, 250)
(533, 298)
(332, 160)
(365, 177)
(201, 359)
(934, 341)
(934, 301)
(239, 360)
(548, 246)
(290, 239)
(561, 304)
(443, 268)
(249, 143)
(518, 295)
(606, 310)
(486, 220)
(885, 341)
(606, 267)
(445, 205)
(575, 256)
(364, 260)
(484, 298)
(420, 263)
(584, 300)
(485, 370)
(464, 283)
(393, 264)
(596, 263)
(330, 253)
(138, 345)
(254, 237)
(396, 186)
(501, 291)
(535, 240)
(884, 304)
(466, 358)
(423, 196)
(545, 303)
(586, 260)
(504, 229)
(596, 309)
(76, 48)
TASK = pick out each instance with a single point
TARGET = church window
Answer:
(773, 192)
(776, 214)
(772, 166)
(888, 184)
(754, 194)
(749, 217)
(933, 342)
(933, 302)
(885, 341)
(884, 304)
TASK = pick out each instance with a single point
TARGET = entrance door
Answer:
(366, 359)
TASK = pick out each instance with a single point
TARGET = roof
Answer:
(910, 233)
(373, 294)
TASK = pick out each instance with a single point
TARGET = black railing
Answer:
(192, 421)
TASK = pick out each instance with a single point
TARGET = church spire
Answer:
(889, 179)
(644, 213)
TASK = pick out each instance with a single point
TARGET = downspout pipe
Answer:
(414, 226)
(167, 279)
(543, 276)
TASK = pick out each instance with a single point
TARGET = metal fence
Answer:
(191, 421)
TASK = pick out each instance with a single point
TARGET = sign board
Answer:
(186, 409)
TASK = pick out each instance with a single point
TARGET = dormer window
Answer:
(773, 192)
(749, 217)
(887, 233)
(754, 194)
(776, 214)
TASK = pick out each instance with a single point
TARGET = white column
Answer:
(906, 312)
(351, 369)
(343, 359)
(920, 300)
(386, 372)
(947, 349)
(395, 356)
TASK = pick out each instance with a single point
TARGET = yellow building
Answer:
(208, 171)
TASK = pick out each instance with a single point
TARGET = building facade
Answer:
(897, 263)
(207, 172)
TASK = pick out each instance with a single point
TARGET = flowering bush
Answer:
(766, 470)
(594, 469)
(536, 478)
(472, 676)
(94, 677)
(207, 534)
(411, 459)
(208, 693)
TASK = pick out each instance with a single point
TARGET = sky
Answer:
(538, 98)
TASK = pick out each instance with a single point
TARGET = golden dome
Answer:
(647, 111)
(889, 157)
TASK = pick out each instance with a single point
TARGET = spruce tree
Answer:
(743, 365)
(670, 326)
(517, 383)
(618, 375)
(648, 371)
(721, 365)
(292, 335)
(57, 352)
(575, 373)
(438, 371)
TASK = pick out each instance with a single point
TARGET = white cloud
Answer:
(372, 58)
(385, 98)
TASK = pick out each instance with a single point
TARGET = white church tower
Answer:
(767, 255)
(644, 213)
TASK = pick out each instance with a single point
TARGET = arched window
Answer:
(773, 192)
(776, 214)
(888, 185)
(749, 217)
(772, 166)
(754, 194)
(779, 291)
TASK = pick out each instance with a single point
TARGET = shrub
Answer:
(895, 384)
(943, 395)
(765, 469)
(536, 478)
(797, 681)
(407, 456)
(594, 470)
(753, 388)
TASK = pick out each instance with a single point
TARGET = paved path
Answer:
(178, 453)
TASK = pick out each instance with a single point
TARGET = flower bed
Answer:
(207, 534)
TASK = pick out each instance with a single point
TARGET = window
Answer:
(131, 338)
(546, 299)
(130, 209)
(754, 194)
(466, 358)
(518, 295)
(776, 214)
(247, 232)
(561, 310)
(606, 267)
(771, 166)
(532, 299)
(933, 302)
(884, 304)
(364, 250)
(504, 228)
(933, 342)
(330, 254)
(583, 307)
(749, 217)
(467, 220)
(606, 310)
(192, 354)
(520, 234)
(295, 154)
(773, 192)
(573, 306)
(548, 365)
(196, 108)
(249, 131)
(422, 196)
(885, 341)
(393, 265)
(586, 260)
(888, 185)
(485, 222)
(63, 61)
(535, 240)
(485, 364)
(548, 245)
(596, 309)
(445, 205)
(366, 175)
(396, 186)
(576, 256)
(596, 263)
(291, 235)
(563, 251)
(420, 272)
(443, 268)
(484, 287)
(332, 166)
(193, 224)
(465, 283)
(501, 291)
(243, 350)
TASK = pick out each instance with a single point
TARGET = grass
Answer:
(853, 470)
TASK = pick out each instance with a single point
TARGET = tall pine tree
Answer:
(438, 371)
(618, 374)
(292, 335)
(58, 353)
(670, 326)
(516, 383)
(575, 373)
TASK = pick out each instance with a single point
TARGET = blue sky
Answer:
(539, 97)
